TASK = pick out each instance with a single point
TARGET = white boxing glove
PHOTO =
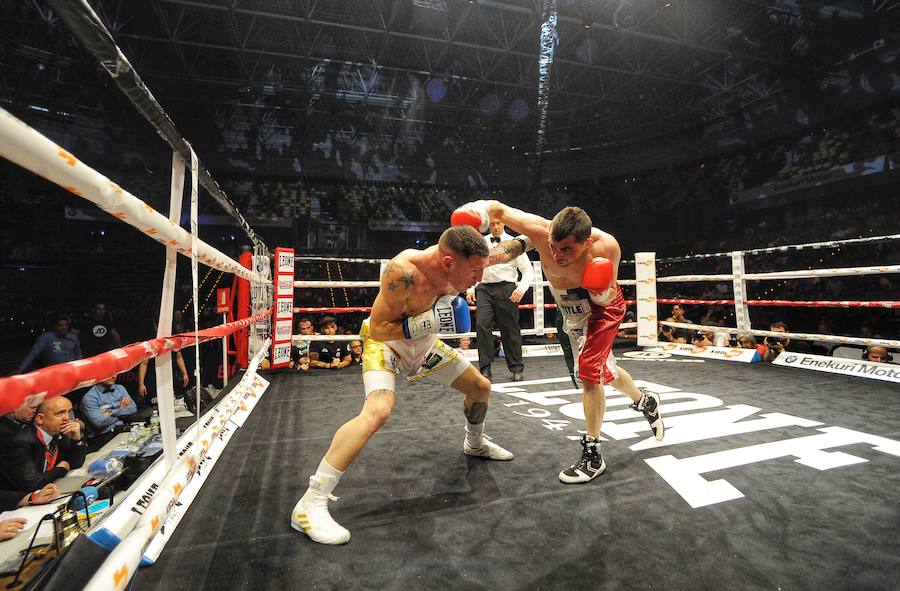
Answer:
(449, 315)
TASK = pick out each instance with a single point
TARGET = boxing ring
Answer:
(768, 477)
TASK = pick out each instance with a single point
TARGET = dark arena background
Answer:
(747, 151)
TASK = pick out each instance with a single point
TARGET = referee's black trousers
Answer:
(494, 306)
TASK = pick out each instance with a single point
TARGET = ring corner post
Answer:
(739, 283)
(283, 318)
(538, 296)
(645, 276)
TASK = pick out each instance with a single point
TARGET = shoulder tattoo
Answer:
(405, 279)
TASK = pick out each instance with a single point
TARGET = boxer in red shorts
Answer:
(581, 264)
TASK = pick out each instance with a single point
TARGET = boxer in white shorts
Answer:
(418, 299)
(424, 357)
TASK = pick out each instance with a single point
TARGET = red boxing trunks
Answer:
(591, 330)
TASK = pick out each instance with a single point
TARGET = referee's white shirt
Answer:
(508, 271)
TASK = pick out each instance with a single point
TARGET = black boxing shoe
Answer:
(588, 467)
(649, 406)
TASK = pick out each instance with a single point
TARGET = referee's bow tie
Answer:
(495, 239)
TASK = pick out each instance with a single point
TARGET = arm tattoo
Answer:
(389, 270)
(407, 280)
(513, 248)
(475, 414)
(504, 252)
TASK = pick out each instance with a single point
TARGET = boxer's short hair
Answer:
(571, 221)
(464, 241)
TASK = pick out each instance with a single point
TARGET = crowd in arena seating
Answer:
(650, 191)
(277, 200)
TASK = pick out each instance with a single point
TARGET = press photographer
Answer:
(773, 345)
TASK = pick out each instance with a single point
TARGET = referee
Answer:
(498, 296)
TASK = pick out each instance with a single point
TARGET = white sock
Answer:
(328, 474)
(474, 433)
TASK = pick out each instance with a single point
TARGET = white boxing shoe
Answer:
(311, 515)
(487, 449)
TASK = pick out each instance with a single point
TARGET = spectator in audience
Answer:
(712, 317)
(878, 354)
(667, 334)
(824, 327)
(105, 404)
(356, 350)
(9, 528)
(703, 339)
(57, 345)
(178, 326)
(142, 373)
(773, 345)
(329, 354)
(681, 334)
(97, 331)
(300, 347)
(746, 341)
(13, 499)
(12, 423)
(39, 455)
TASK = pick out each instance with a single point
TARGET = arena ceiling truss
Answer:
(623, 68)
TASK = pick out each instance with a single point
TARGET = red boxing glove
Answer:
(597, 274)
(473, 214)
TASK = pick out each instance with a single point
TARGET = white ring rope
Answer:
(29, 149)
(297, 260)
(793, 335)
(785, 248)
(841, 272)
(332, 284)
(356, 337)
(692, 278)
(798, 274)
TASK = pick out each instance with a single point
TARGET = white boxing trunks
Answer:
(424, 357)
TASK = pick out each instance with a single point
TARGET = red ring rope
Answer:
(38, 385)
(369, 308)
